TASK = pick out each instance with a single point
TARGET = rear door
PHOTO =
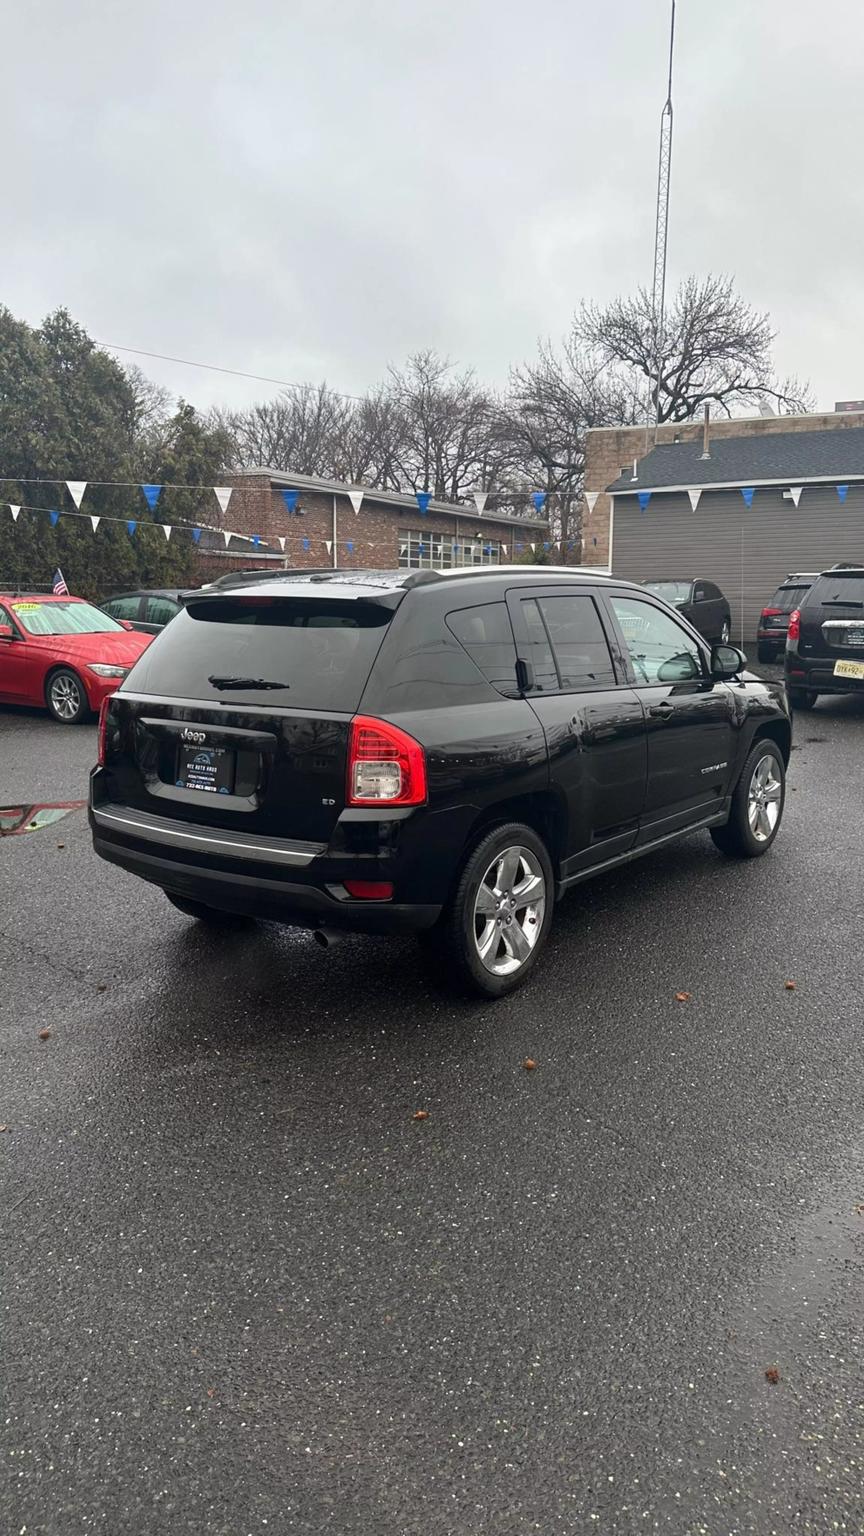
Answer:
(237, 714)
(591, 716)
(690, 718)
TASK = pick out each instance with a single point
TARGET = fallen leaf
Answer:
(528, 1064)
(683, 997)
(211, 1391)
(61, 845)
(3, 1128)
(773, 1375)
(420, 1114)
(44, 1034)
(102, 987)
(859, 1209)
(790, 985)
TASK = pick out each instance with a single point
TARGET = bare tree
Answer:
(296, 430)
(716, 349)
(446, 425)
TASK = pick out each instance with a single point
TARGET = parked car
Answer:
(147, 611)
(435, 752)
(774, 619)
(825, 638)
(701, 602)
(62, 654)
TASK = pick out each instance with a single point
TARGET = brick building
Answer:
(741, 504)
(319, 526)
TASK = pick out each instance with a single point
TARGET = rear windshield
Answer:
(672, 591)
(787, 598)
(304, 653)
(835, 588)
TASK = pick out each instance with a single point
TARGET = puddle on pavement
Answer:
(17, 819)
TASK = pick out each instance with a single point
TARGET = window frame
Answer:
(159, 597)
(690, 633)
(445, 557)
(536, 592)
(125, 597)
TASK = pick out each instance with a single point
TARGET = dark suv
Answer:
(774, 618)
(443, 753)
(825, 639)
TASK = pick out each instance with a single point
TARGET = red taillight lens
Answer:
(103, 726)
(370, 890)
(386, 766)
(794, 631)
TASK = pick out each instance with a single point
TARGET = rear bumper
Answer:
(278, 879)
(815, 674)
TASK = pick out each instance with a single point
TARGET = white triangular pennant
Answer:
(328, 545)
(94, 522)
(281, 543)
(227, 536)
(505, 552)
(480, 499)
(356, 500)
(532, 547)
(694, 499)
(76, 489)
(166, 529)
(14, 511)
(223, 495)
(591, 499)
(795, 493)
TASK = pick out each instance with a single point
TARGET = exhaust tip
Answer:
(326, 938)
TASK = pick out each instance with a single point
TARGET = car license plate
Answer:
(849, 669)
(209, 768)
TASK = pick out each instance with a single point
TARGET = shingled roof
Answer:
(769, 458)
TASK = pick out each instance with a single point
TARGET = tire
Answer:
(801, 700)
(213, 917)
(725, 632)
(766, 654)
(66, 697)
(759, 796)
(467, 931)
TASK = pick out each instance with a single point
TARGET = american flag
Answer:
(59, 587)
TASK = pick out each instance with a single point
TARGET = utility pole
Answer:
(661, 227)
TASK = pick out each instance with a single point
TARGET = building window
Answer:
(420, 549)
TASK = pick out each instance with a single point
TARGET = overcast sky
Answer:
(316, 188)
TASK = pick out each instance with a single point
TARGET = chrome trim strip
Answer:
(153, 829)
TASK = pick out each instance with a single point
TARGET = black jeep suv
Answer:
(825, 638)
(435, 752)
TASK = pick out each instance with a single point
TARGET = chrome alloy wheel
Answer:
(65, 697)
(763, 799)
(508, 910)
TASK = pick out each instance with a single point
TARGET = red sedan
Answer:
(62, 654)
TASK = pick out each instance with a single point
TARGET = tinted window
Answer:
(712, 593)
(159, 610)
(578, 642)
(322, 648)
(787, 598)
(486, 635)
(660, 650)
(838, 589)
(670, 591)
(123, 607)
(701, 594)
(538, 651)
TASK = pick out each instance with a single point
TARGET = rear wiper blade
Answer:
(245, 682)
(842, 602)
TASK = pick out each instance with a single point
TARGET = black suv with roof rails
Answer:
(444, 753)
(825, 638)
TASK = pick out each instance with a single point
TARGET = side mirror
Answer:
(7, 632)
(726, 662)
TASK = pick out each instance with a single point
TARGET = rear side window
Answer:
(320, 651)
(569, 647)
(485, 633)
(123, 607)
(787, 598)
(160, 610)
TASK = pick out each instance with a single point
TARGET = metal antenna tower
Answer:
(658, 296)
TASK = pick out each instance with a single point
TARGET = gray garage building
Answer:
(751, 511)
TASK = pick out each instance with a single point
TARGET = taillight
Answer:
(771, 613)
(386, 766)
(794, 631)
(103, 727)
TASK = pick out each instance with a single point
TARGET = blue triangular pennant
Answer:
(644, 498)
(538, 498)
(196, 534)
(55, 518)
(748, 491)
(546, 548)
(256, 540)
(305, 543)
(131, 525)
(487, 549)
(290, 499)
(350, 546)
(423, 500)
(842, 492)
(152, 494)
(518, 549)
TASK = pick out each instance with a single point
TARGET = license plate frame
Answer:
(851, 669)
(210, 770)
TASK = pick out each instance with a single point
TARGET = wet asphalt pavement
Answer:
(244, 1291)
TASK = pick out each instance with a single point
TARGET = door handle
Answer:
(662, 711)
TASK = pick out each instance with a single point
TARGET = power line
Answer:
(237, 373)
